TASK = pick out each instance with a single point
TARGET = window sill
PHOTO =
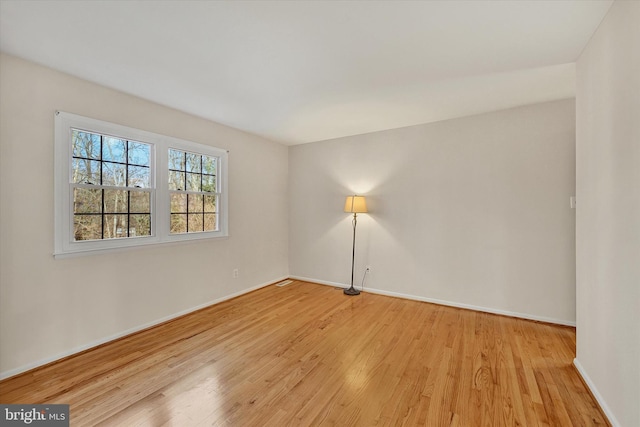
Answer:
(75, 253)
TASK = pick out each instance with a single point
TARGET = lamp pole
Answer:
(352, 290)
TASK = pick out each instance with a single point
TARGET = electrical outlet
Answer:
(235, 273)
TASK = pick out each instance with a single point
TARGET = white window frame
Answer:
(65, 245)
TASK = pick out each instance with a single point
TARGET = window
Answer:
(117, 187)
(193, 192)
(110, 180)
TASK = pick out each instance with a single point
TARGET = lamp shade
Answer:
(355, 204)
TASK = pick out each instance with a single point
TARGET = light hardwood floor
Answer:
(307, 355)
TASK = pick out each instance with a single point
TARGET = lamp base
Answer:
(351, 291)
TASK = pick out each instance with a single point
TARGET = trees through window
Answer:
(192, 187)
(111, 180)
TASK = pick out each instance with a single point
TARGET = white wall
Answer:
(472, 211)
(608, 214)
(51, 307)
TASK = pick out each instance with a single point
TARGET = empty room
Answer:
(310, 213)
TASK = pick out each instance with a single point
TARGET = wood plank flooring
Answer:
(307, 355)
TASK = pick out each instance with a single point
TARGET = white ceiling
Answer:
(299, 72)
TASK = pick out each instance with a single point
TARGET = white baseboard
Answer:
(29, 366)
(592, 387)
(319, 282)
(447, 303)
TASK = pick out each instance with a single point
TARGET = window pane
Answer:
(176, 160)
(86, 172)
(176, 180)
(115, 226)
(139, 176)
(193, 162)
(209, 183)
(193, 181)
(86, 200)
(115, 201)
(178, 203)
(195, 203)
(87, 227)
(210, 223)
(139, 202)
(209, 165)
(209, 203)
(114, 149)
(85, 144)
(196, 222)
(178, 223)
(139, 225)
(139, 153)
(114, 174)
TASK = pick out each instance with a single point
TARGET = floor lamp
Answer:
(355, 205)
